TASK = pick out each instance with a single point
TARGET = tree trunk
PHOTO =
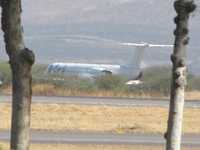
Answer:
(178, 58)
(21, 60)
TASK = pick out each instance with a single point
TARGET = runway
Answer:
(100, 138)
(104, 101)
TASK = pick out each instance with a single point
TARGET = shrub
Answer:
(5, 72)
(157, 79)
(110, 82)
(193, 83)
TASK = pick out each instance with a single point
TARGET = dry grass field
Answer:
(51, 90)
(94, 147)
(193, 95)
(102, 118)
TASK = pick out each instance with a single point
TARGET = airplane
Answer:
(131, 70)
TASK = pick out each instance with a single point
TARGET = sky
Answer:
(57, 29)
(40, 12)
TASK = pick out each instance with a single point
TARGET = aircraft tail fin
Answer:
(135, 64)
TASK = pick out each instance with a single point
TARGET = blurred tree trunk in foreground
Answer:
(21, 60)
(183, 9)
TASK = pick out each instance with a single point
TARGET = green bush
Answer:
(193, 83)
(110, 82)
(157, 79)
(38, 70)
(5, 72)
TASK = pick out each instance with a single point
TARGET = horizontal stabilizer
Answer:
(158, 45)
(146, 45)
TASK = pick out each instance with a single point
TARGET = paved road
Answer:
(104, 101)
(100, 138)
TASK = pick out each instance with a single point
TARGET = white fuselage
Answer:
(91, 70)
(82, 69)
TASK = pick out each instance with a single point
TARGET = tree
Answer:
(183, 9)
(21, 60)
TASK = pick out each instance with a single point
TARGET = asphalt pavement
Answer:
(100, 138)
(104, 101)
